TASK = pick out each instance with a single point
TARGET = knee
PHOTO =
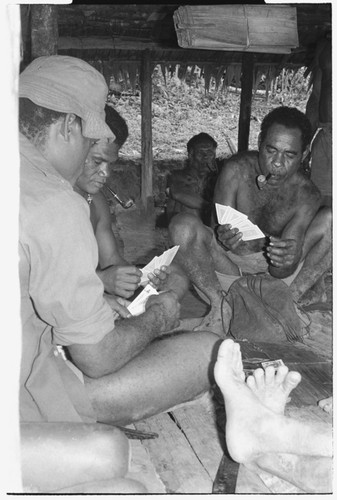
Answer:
(109, 452)
(323, 221)
(183, 228)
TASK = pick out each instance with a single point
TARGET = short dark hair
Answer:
(34, 120)
(117, 124)
(202, 137)
(290, 118)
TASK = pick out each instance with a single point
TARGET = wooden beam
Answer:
(146, 121)
(44, 30)
(100, 42)
(246, 100)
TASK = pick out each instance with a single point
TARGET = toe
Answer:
(269, 375)
(281, 374)
(259, 378)
(291, 381)
(226, 348)
(251, 383)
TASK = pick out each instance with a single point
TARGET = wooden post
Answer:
(146, 110)
(246, 100)
(44, 30)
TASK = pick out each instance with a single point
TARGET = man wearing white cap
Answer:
(105, 371)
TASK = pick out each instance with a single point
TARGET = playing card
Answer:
(228, 215)
(137, 306)
(275, 363)
(164, 259)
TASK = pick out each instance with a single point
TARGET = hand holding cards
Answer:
(164, 259)
(228, 215)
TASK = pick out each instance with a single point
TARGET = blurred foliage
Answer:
(181, 108)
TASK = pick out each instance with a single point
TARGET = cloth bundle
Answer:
(263, 310)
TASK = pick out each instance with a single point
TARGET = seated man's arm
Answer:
(108, 250)
(182, 188)
(128, 338)
(285, 253)
(225, 193)
(118, 276)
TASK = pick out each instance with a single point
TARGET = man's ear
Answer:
(259, 140)
(69, 122)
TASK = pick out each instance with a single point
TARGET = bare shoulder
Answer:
(307, 192)
(240, 165)
(101, 207)
(241, 161)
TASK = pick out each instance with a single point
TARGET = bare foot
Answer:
(273, 389)
(326, 405)
(248, 421)
(217, 320)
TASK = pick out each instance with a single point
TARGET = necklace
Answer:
(89, 198)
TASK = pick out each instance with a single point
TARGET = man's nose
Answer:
(278, 160)
(104, 170)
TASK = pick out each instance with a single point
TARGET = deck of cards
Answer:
(228, 215)
(276, 363)
(164, 259)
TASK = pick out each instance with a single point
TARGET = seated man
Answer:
(191, 189)
(79, 364)
(287, 208)
(122, 279)
(258, 434)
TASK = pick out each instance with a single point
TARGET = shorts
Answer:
(254, 263)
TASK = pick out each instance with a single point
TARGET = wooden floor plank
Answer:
(173, 458)
(142, 468)
(199, 425)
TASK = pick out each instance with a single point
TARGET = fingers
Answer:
(122, 311)
(159, 276)
(282, 253)
(229, 237)
(125, 294)
(118, 305)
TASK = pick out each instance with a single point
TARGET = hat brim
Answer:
(94, 127)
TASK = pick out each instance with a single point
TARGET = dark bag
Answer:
(263, 310)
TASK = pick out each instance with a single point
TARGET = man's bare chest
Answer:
(270, 209)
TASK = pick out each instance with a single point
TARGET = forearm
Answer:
(114, 259)
(128, 338)
(190, 201)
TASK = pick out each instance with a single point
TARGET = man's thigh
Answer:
(171, 370)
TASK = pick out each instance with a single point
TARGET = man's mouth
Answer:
(100, 184)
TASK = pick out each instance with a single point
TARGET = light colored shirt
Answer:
(61, 296)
